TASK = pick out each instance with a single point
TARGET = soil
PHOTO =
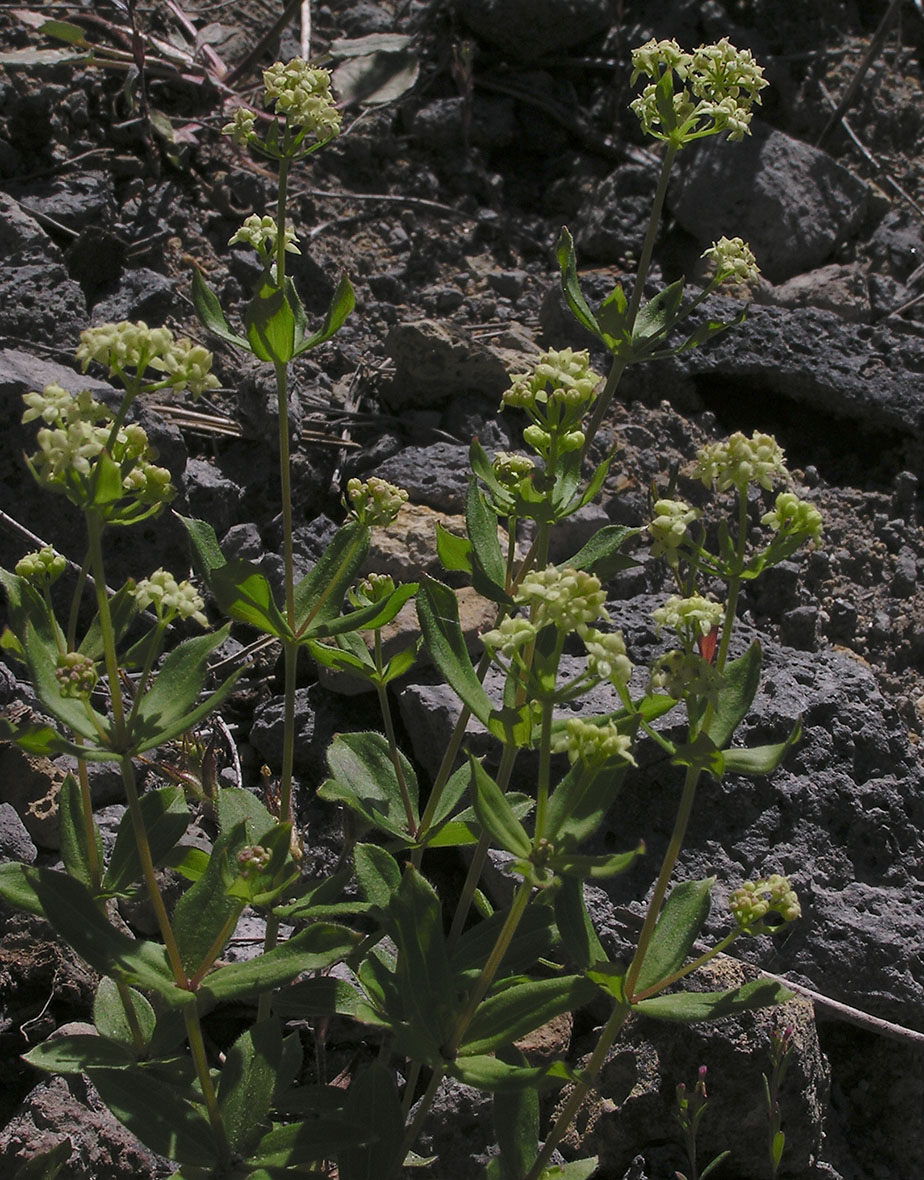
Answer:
(445, 204)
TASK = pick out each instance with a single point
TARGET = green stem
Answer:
(545, 755)
(149, 874)
(667, 868)
(107, 631)
(281, 194)
(734, 582)
(86, 818)
(200, 1060)
(581, 1089)
(384, 706)
(650, 234)
(215, 949)
(410, 1135)
(489, 970)
(75, 604)
(689, 968)
(153, 651)
(131, 1016)
(479, 856)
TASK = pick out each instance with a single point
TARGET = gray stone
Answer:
(210, 495)
(841, 289)
(38, 299)
(791, 202)
(71, 1108)
(435, 363)
(610, 227)
(529, 29)
(141, 294)
(15, 841)
(436, 475)
(81, 200)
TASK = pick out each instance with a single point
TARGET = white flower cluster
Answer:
(375, 501)
(566, 597)
(793, 517)
(718, 86)
(511, 634)
(135, 346)
(260, 233)
(732, 260)
(755, 899)
(170, 597)
(510, 468)
(241, 127)
(739, 461)
(372, 588)
(78, 430)
(669, 525)
(302, 94)
(606, 652)
(560, 376)
(683, 674)
(593, 744)
(76, 675)
(42, 567)
(689, 617)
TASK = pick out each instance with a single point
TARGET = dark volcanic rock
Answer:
(791, 202)
(528, 29)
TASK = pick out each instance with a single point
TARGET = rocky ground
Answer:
(443, 204)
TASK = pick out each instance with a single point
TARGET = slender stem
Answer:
(200, 1060)
(688, 968)
(75, 604)
(489, 970)
(410, 1135)
(149, 875)
(153, 651)
(734, 582)
(581, 1089)
(650, 234)
(545, 754)
(604, 401)
(281, 194)
(667, 869)
(479, 856)
(86, 818)
(131, 1016)
(107, 631)
(384, 706)
(215, 949)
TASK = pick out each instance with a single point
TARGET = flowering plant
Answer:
(440, 1003)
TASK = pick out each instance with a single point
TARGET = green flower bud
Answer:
(689, 617)
(739, 461)
(42, 567)
(755, 899)
(566, 597)
(375, 501)
(170, 597)
(793, 517)
(76, 675)
(594, 744)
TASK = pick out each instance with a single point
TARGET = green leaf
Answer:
(700, 754)
(285, 1148)
(342, 303)
(427, 982)
(208, 309)
(495, 813)
(319, 594)
(78, 1053)
(247, 1082)
(72, 831)
(575, 1170)
(323, 996)
(206, 552)
(740, 682)
(516, 1010)
(656, 317)
(239, 806)
(489, 570)
(688, 1007)
(611, 979)
(158, 1115)
(364, 780)
(595, 868)
(455, 553)
(600, 555)
(377, 873)
(206, 910)
(678, 927)
(760, 759)
(71, 909)
(373, 1104)
(171, 706)
(494, 1075)
(110, 1018)
(516, 1123)
(243, 593)
(571, 288)
(534, 938)
(17, 889)
(438, 614)
(320, 946)
(166, 818)
(269, 321)
(377, 614)
(578, 936)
